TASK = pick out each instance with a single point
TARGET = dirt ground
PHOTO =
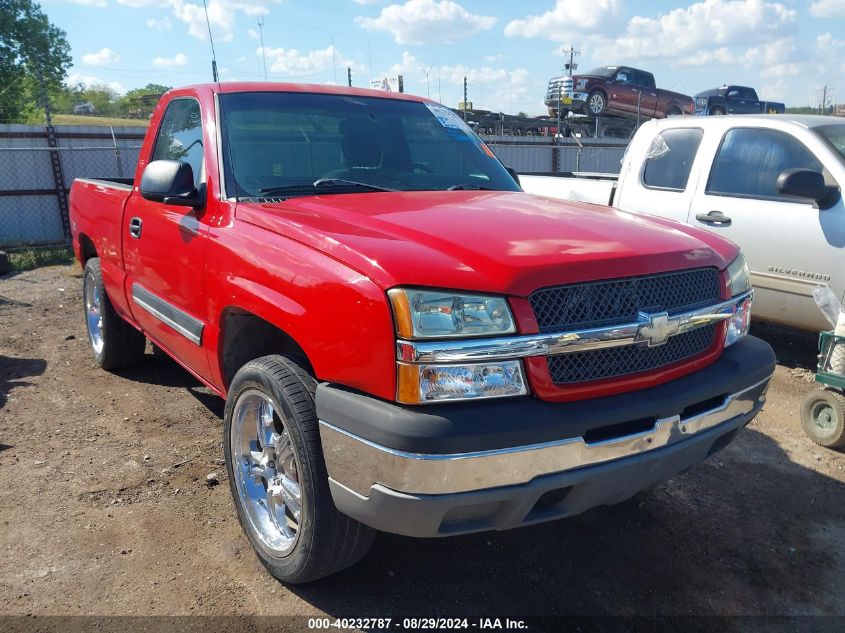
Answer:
(105, 507)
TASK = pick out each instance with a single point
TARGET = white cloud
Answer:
(90, 3)
(177, 61)
(222, 14)
(427, 21)
(253, 34)
(568, 18)
(294, 63)
(163, 24)
(366, 2)
(707, 26)
(103, 57)
(828, 9)
(88, 81)
(492, 59)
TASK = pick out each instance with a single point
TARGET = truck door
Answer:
(647, 93)
(164, 246)
(623, 91)
(790, 245)
(742, 101)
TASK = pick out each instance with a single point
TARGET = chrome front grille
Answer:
(614, 362)
(605, 303)
(621, 301)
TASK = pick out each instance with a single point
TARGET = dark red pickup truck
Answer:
(618, 90)
(407, 342)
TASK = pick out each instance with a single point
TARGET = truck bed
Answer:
(580, 186)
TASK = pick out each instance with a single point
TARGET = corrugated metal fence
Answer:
(38, 165)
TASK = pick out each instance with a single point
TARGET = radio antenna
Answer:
(219, 102)
(214, 76)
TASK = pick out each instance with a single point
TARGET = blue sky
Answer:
(508, 50)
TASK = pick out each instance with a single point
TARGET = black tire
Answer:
(674, 111)
(596, 103)
(716, 111)
(823, 417)
(120, 344)
(327, 541)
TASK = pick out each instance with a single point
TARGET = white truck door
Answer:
(791, 245)
(659, 183)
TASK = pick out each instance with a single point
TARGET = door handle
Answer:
(716, 218)
(135, 227)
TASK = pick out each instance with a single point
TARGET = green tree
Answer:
(32, 52)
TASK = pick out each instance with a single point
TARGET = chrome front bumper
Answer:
(359, 464)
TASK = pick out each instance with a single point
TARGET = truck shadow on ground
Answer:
(13, 369)
(747, 532)
(159, 369)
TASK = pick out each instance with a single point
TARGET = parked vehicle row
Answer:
(631, 92)
(773, 185)
(406, 341)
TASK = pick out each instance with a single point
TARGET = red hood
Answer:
(499, 242)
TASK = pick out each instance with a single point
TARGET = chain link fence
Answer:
(37, 167)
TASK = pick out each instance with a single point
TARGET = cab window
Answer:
(670, 157)
(180, 136)
(750, 160)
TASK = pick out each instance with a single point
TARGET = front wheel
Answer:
(277, 475)
(596, 103)
(823, 417)
(717, 111)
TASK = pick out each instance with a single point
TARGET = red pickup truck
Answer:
(405, 341)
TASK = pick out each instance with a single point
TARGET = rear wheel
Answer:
(113, 341)
(596, 103)
(278, 478)
(716, 111)
(674, 111)
(823, 417)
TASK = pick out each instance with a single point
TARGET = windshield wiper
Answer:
(322, 184)
(340, 182)
(466, 186)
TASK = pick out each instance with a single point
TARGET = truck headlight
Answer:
(421, 314)
(419, 384)
(740, 277)
(740, 282)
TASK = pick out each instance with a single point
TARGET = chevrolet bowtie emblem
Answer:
(657, 328)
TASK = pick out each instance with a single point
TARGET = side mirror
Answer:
(807, 183)
(514, 175)
(170, 182)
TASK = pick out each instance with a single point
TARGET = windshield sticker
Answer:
(447, 118)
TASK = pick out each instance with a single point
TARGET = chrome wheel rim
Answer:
(266, 471)
(93, 313)
(596, 104)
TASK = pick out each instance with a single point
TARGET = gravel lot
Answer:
(105, 507)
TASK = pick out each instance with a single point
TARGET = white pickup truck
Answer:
(772, 184)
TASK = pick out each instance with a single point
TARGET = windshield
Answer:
(283, 144)
(604, 71)
(835, 137)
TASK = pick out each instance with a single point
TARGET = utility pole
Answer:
(465, 98)
(823, 105)
(261, 35)
(349, 76)
(571, 66)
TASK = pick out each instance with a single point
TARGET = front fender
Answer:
(339, 317)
